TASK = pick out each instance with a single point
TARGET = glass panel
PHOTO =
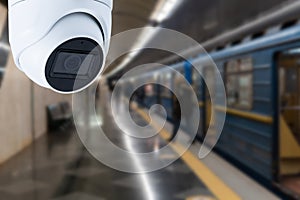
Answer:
(232, 90)
(245, 91)
(246, 64)
(232, 66)
(239, 86)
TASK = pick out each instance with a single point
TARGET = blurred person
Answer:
(176, 117)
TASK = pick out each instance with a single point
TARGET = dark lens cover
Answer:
(74, 64)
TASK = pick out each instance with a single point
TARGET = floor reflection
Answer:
(58, 167)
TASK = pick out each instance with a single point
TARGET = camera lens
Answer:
(72, 63)
(75, 64)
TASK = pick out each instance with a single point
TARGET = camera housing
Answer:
(60, 44)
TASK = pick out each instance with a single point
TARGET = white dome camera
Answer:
(60, 44)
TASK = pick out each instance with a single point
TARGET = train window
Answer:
(232, 66)
(239, 78)
(246, 64)
(245, 90)
(232, 90)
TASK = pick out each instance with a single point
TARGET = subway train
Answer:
(261, 75)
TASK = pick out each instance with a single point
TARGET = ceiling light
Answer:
(164, 9)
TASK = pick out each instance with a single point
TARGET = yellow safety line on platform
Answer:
(214, 183)
(248, 115)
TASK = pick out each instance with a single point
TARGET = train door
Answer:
(209, 74)
(289, 118)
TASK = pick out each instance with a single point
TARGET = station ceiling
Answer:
(200, 20)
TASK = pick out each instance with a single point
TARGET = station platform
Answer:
(57, 166)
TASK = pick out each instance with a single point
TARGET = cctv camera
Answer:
(60, 44)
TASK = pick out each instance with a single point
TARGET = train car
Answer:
(262, 80)
(262, 129)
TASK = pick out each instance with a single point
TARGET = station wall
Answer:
(16, 112)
